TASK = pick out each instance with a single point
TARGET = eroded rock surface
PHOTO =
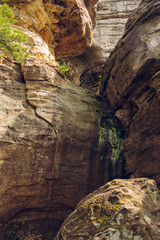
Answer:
(131, 82)
(80, 67)
(112, 16)
(57, 142)
(119, 210)
(47, 129)
(53, 145)
(66, 26)
(110, 22)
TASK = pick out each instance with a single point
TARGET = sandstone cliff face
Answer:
(66, 26)
(131, 82)
(49, 131)
(53, 139)
(120, 210)
(111, 17)
(80, 66)
(110, 22)
(59, 142)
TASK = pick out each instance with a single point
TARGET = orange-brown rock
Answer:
(131, 82)
(53, 139)
(57, 144)
(66, 26)
(52, 145)
(44, 142)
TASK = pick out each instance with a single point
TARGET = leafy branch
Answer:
(11, 39)
(63, 68)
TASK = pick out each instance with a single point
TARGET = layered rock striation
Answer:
(131, 82)
(59, 142)
(53, 136)
(110, 22)
(49, 128)
(49, 131)
(111, 17)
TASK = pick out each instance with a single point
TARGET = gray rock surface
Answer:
(110, 22)
(131, 83)
(111, 17)
(119, 210)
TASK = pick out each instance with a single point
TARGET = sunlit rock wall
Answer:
(66, 26)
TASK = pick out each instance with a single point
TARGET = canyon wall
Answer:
(53, 134)
(59, 141)
(131, 83)
(49, 128)
(111, 17)
(110, 22)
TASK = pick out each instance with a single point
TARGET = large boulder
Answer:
(110, 22)
(66, 26)
(119, 210)
(131, 83)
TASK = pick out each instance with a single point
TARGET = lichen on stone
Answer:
(109, 213)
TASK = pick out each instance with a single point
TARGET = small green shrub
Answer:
(149, 193)
(101, 210)
(11, 38)
(63, 68)
(100, 77)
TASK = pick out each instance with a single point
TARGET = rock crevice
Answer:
(131, 82)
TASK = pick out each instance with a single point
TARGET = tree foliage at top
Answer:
(11, 39)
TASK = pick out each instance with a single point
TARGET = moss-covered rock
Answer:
(119, 210)
(112, 134)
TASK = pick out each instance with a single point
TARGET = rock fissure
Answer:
(132, 87)
(34, 108)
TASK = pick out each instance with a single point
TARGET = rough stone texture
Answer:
(66, 26)
(91, 77)
(110, 22)
(80, 65)
(45, 143)
(57, 142)
(119, 210)
(131, 82)
(53, 145)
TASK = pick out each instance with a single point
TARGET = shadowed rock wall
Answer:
(131, 82)
(52, 140)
